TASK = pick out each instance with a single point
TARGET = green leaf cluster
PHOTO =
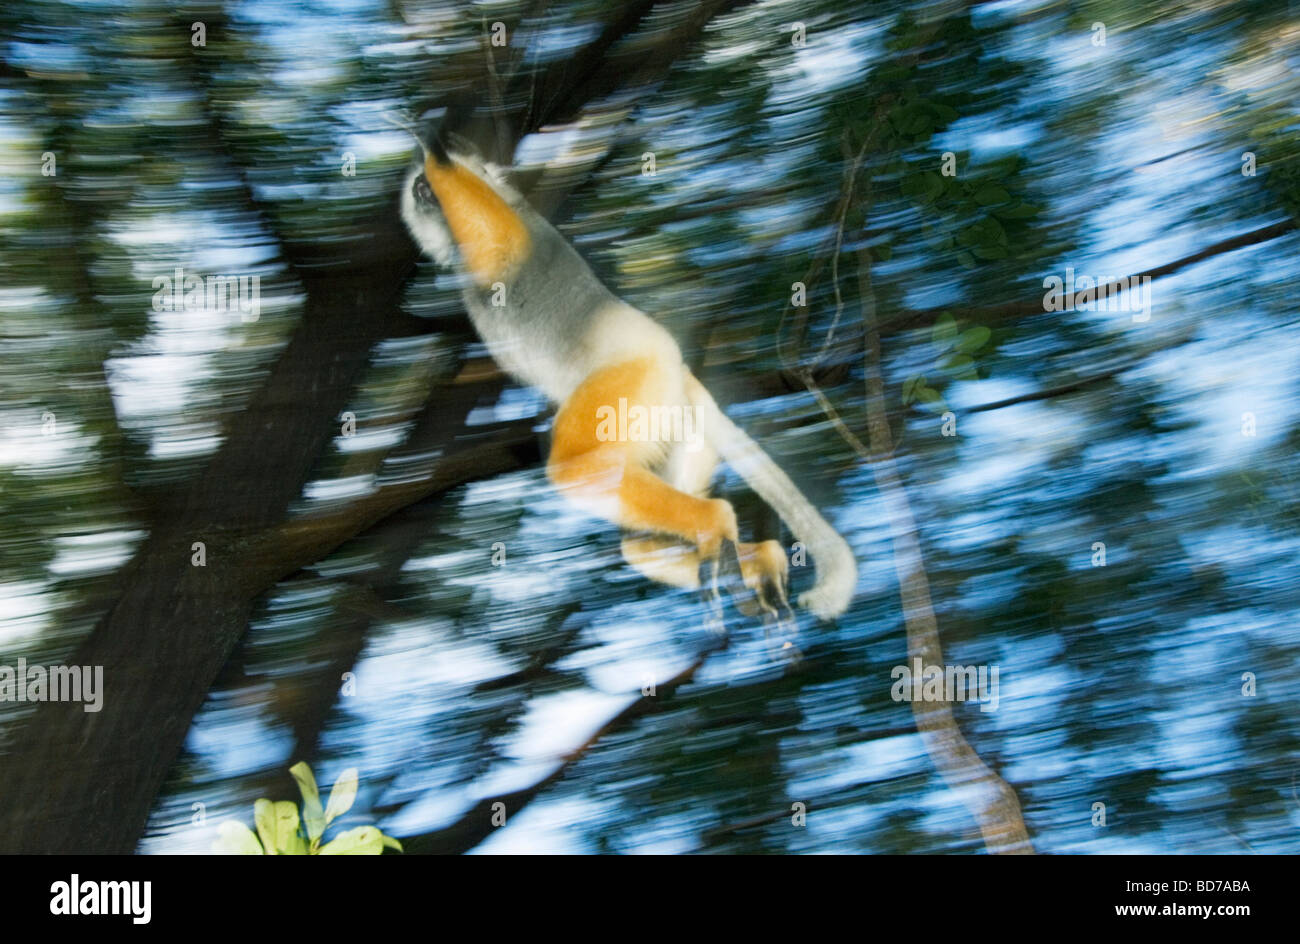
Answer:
(955, 351)
(282, 831)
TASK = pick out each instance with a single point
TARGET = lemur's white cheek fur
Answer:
(430, 232)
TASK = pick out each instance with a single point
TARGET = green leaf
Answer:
(910, 386)
(990, 232)
(1019, 212)
(364, 840)
(973, 339)
(391, 843)
(342, 796)
(312, 815)
(287, 840)
(962, 366)
(990, 194)
(234, 838)
(931, 400)
(264, 817)
(944, 332)
(966, 260)
(990, 252)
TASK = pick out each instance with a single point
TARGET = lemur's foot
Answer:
(753, 576)
(765, 571)
(714, 579)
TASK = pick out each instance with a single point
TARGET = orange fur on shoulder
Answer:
(489, 234)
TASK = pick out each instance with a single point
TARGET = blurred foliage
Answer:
(1122, 684)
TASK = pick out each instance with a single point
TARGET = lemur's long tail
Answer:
(837, 570)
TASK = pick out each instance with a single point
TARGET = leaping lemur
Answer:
(549, 322)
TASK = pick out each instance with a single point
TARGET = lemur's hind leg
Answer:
(606, 468)
(689, 466)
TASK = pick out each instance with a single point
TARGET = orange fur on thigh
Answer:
(612, 478)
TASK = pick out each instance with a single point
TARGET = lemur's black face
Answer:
(423, 192)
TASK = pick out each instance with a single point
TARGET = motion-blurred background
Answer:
(318, 528)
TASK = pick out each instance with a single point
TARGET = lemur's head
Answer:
(461, 211)
(421, 212)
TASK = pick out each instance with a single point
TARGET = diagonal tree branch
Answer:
(989, 314)
(1059, 390)
(476, 824)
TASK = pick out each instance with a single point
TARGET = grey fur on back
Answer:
(544, 330)
(554, 299)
